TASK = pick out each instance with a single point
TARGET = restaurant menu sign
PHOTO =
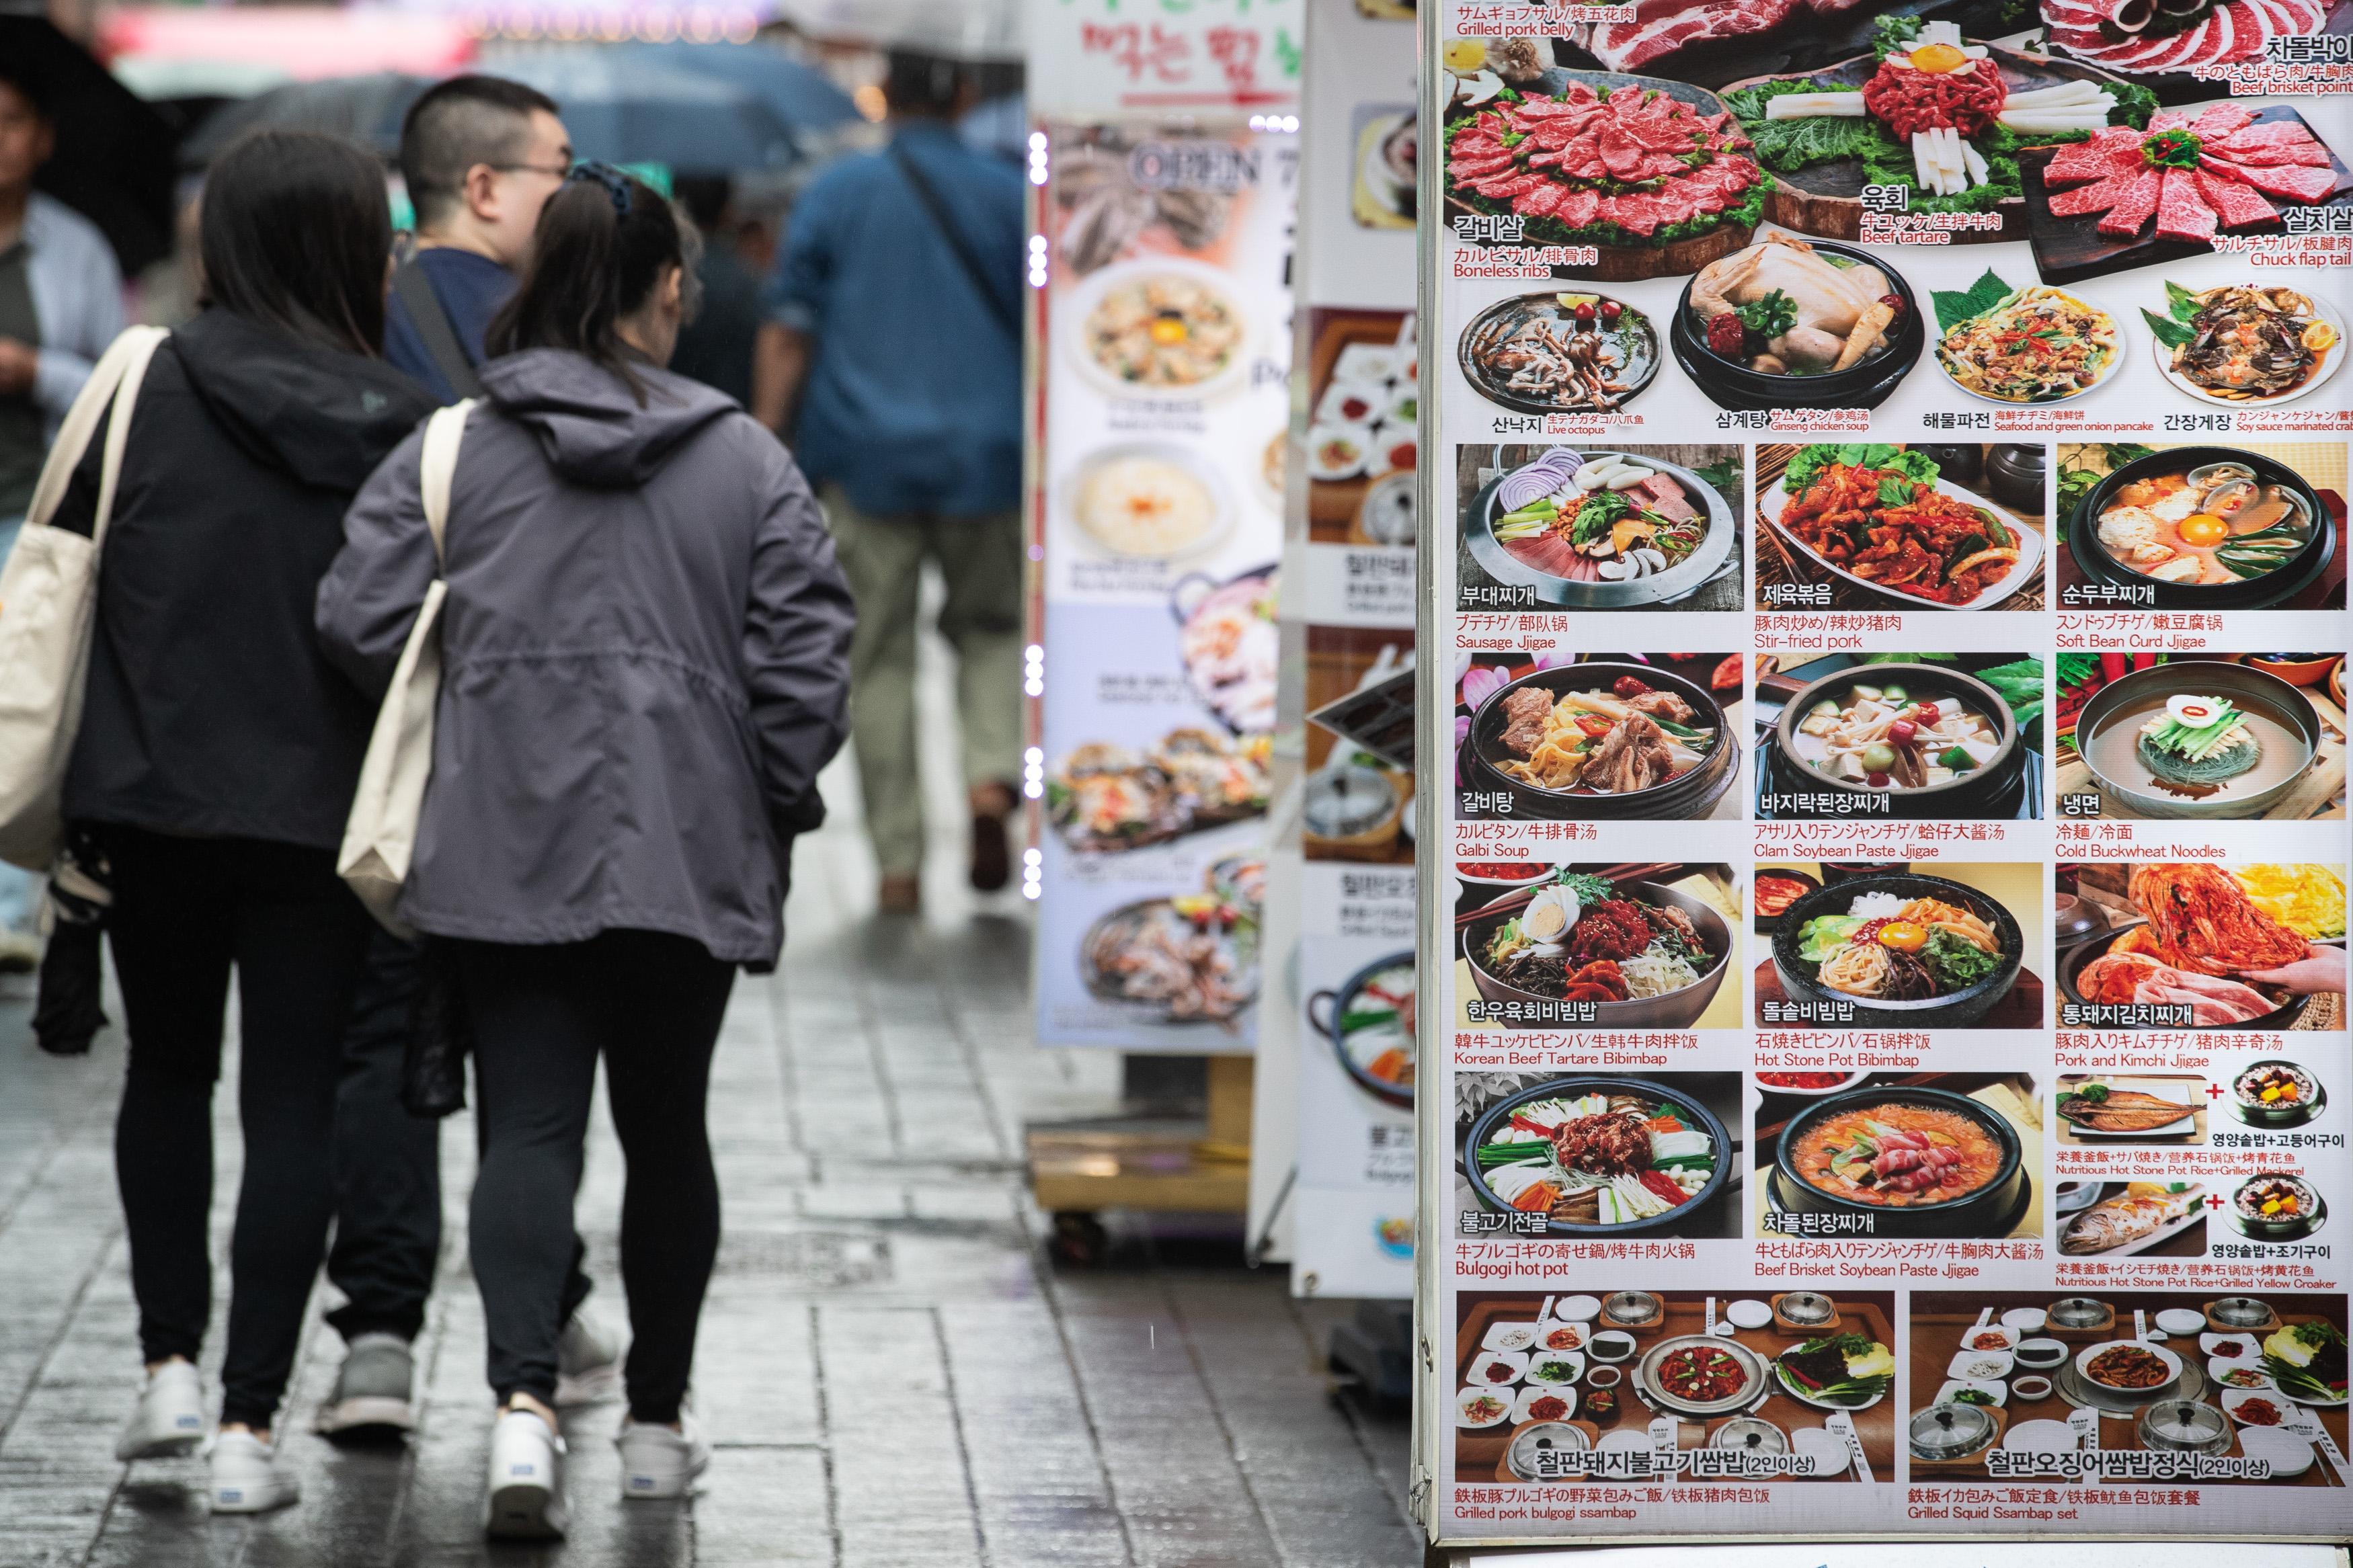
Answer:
(1159, 365)
(1881, 719)
(1109, 59)
(1341, 895)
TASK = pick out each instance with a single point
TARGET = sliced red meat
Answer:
(2238, 206)
(1543, 202)
(1632, 44)
(2094, 198)
(2277, 154)
(1637, 213)
(1503, 187)
(2181, 211)
(2272, 133)
(2297, 181)
(2222, 119)
(2108, 151)
(2254, 27)
(1583, 203)
(2132, 208)
(2284, 17)
(2160, 54)
(1667, 499)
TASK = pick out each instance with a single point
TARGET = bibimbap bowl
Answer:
(1710, 1185)
(1687, 795)
(1671, 1010)
(1865, 384)
(2288, 723)
(2290, 578)
(1963, 794)
(1956, 1009)
(1986, 1210)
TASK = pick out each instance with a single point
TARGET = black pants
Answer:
(186, 911)
(652, 1005)
(388, 1164)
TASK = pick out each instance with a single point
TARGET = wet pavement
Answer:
(893, 1371)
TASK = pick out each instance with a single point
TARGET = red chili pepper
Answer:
(2112, 666)
(2144, 661)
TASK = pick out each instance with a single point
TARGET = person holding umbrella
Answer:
(60, 305)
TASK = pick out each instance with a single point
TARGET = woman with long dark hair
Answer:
(215, 762)
(644, 651)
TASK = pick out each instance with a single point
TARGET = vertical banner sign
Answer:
(1161, 255)
(1348, 848)
(1884, 1066)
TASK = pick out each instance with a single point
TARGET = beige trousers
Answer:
(882, 557)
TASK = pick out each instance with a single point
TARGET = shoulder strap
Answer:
(436, 465)
(113, 384)
(432, 324)
(1003, 314)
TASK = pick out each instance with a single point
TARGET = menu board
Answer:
(1340, 896)
(1160, 364)
(1882, 1053)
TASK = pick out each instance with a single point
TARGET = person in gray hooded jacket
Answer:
(645, 665)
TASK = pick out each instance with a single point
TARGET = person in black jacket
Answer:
(215, 764)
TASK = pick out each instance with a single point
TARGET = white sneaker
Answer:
(587, 1361)
(169, 1420)
(526, 1500)
(657, 1462)
(245, 1476)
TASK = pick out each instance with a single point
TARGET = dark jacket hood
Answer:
(321, 415)
(589, 423)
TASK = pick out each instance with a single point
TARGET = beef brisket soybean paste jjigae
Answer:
(1898, 1155)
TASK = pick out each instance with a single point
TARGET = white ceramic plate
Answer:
(1513, 1362)
(1578, 1309)
(2220, 1370)
(2329, 362)
(1997, 1393)
(1622, 1441)
(2001, 1331)
(2091, 1352)
(2213, 1345)
(2074, 1196)
(1530, 1395)
(1749, 1313)
(1318, 434)
(2116, 358)
(2234, 1400)
(2040, 1438)
(1784, 1383)
(1613, 1351)
(2290, 1455)
(1973, 1365)
(1233, 374)
(2159, 1088)
(1562, 1336)
(2180, 1321)
(2048, 1353)
(1361, 363)
(2021, 572)
(1462, 1412)
(1196, 467)
(1509, 1337)
(2026, 1319)
(1535, 1364)
(1352, 402)
(1823, 1446)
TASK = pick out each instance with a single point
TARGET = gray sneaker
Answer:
(371, 1393)
(587, 1361)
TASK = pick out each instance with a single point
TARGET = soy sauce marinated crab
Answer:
(2252, 342)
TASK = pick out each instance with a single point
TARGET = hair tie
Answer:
(616, 184)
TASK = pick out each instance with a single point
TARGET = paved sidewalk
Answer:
(894, 1376)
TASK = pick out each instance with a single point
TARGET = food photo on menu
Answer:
(1875, 526)
(1951, 735)
(1364, 439)
(1601, 1156)
(1356, 793)
(2247, 526)
(2010, 1383)
(1612, 947)
(1782, 1389)
(2102, 1110)
(2201, 736)
(2153, 944)
(1889, 945)
(1589, 527)
(1900, 1156)
(1596, 736)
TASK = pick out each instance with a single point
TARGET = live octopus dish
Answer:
(1193, 958)
(1560, 353)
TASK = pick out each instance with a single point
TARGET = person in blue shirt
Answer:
(481, 155)
(891, 358)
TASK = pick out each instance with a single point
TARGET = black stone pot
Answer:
(1955, 1011)
(1990, 1211)
(1688, 795)
(1865, 385)
(2255, 593)
(1690, 1209)
(1971, 797)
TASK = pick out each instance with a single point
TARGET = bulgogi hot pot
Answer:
(1914, 1162)
(1624, 1156)
(2198, 740)
(1542, 981)
(1618, 774)
(1940, 1000)
(1370, 1022)
(2101, 538)
(1865, 730)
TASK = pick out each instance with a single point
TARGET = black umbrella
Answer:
(366, 109)
(113, 158)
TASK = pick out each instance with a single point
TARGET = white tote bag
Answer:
(48, 609)
(380, 837)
